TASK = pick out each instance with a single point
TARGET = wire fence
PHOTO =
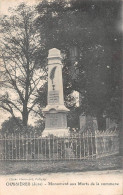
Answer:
(87, 145)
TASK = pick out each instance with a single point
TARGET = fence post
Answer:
(41, 145)
(49, 146)
(76, 137)
(19, 147)
(92, 143)
(38, 147)
(96, 144)
(45, 147)
(88, 138)
(84, 143)
(16, 147)
(26, 142)
(57, 149)
(53, 148)
(5, 146)
(34, 146)
(80, 147)
(12, 145)
(64, 148)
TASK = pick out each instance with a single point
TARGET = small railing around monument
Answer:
(86, 145)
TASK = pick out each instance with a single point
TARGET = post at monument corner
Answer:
(55, 111)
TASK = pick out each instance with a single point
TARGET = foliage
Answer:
(86, 32)
(39, 126)
(14, 125)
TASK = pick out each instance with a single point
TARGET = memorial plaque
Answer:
(53, 97)
(53, 120)
(57, 120)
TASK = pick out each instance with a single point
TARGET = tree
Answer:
(10, 126)
(86, 32)
(21, 69)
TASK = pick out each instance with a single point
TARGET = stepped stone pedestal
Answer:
(55, 111)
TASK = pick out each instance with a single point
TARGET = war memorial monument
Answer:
(55, 111)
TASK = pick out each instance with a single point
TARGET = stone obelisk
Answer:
(55, 111)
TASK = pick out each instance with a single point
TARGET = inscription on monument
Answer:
(53, 97)
(53, 120)
(56, 120)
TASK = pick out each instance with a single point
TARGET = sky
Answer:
(5, 4)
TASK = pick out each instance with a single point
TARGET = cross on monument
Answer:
(53, 87)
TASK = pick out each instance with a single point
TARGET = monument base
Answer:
(56, 132)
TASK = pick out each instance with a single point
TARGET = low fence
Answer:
(107, 143)
(87, 145)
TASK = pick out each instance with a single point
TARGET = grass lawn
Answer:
(20, 167)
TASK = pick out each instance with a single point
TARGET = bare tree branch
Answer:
(14, 83)
(8, 102)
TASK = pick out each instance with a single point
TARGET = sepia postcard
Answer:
(61, 97)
